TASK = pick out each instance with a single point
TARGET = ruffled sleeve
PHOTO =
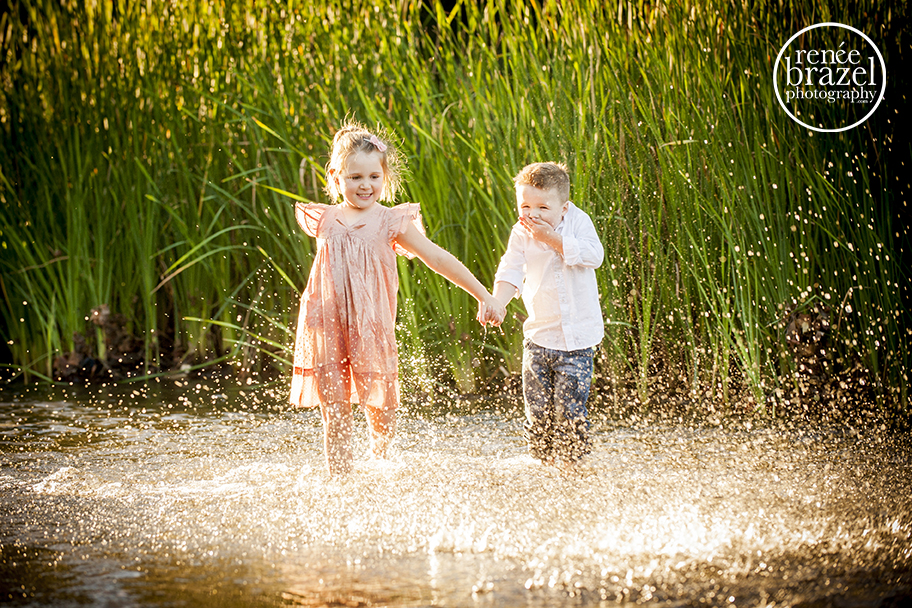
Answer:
(308, 216)
(398, 220)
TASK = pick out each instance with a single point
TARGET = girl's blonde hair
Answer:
(354, 137)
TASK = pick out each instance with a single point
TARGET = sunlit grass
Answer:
(145, 149)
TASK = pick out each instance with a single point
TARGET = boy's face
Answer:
(540, 205)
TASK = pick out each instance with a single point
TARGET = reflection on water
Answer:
(195, 495)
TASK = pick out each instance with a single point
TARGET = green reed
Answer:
(176, 130)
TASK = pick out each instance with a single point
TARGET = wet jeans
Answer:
(555, 389)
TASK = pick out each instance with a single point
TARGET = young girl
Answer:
(345, 349)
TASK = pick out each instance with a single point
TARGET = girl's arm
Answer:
(446, 265)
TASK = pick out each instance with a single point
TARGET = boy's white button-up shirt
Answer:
(560, 292)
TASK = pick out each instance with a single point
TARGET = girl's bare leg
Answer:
(337, 437)
(382, 425)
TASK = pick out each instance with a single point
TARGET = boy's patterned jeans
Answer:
(556, 387)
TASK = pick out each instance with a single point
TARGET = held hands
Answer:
(490, 310)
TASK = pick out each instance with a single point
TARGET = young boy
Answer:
(550, 261)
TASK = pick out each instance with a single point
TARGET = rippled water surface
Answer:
(193, 495)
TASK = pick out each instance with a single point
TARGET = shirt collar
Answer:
(560, 225)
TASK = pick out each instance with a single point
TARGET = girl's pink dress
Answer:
(345, 348)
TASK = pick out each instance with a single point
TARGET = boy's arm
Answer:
(512, 266)
(582, 247)
(542, 232)
(508, 279)
(578, 246)
(503, 293)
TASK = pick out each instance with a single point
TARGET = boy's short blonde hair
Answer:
(546, 176)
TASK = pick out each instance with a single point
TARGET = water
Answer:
(196, 495)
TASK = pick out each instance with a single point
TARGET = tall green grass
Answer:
(146, 151)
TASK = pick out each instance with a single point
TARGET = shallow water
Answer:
(194, 495)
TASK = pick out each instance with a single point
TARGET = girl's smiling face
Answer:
(361, 179)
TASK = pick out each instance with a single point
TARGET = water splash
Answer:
(207, 496)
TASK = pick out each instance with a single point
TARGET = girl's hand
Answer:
(482, 316)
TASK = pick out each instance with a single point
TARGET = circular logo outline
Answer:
(883, 67)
